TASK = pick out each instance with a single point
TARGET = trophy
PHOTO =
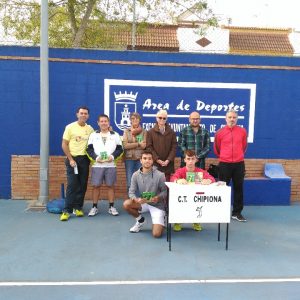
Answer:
(103, 155)
(139, 138)
(148, 196)
(190, 177)
(198, 177)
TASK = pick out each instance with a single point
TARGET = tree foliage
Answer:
(84, 23)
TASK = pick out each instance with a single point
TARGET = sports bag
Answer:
(56, 206)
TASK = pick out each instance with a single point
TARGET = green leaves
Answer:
(94, 23)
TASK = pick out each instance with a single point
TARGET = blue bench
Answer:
(273, 189)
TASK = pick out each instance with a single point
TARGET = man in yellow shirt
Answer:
(77, 163)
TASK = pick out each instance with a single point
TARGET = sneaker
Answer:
(137, 226)
(113, 211)
(64, 216)
(197, 227)
(239, 217)
(78, 212)
(177, 227)
(93, 212)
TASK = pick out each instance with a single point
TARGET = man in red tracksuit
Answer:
(230, 146)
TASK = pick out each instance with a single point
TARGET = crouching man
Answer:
(147, 193)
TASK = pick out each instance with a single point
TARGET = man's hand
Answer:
(72, 163)
(154, 199)
(142, 144)
(141, 200)
(110, 158)
(160, 162)
(165, 163)
(101, 161)
(206, 181)
(181, 181)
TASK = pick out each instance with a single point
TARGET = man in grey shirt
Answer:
(147, 193)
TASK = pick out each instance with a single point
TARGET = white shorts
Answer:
(157, 215)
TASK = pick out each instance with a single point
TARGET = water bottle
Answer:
(75, 169)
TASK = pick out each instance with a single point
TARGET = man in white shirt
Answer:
(104, 147)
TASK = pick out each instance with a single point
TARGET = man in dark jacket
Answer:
(230, 146)
(161, 141)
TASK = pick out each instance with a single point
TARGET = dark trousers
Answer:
(236, 173)
(76, 183)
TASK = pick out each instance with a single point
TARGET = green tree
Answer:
(91, 23)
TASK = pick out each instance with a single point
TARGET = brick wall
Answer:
(25, 176)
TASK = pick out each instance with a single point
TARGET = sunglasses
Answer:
(162, 118)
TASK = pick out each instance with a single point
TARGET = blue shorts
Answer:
(103, 175)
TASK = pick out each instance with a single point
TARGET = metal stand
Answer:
(219, 233)
(227, 229)
(167, 214)
(169, 228)
(169, 237)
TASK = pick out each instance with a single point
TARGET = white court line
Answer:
(146, 282)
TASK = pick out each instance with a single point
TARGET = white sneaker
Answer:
(113, 211)
(93, 212)
(137, 226)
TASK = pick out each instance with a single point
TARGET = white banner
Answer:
(196, 203)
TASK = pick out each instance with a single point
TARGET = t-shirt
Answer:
(77, 136)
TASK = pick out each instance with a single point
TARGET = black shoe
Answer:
(238, 217)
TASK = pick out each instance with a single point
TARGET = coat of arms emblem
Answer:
(124, 105)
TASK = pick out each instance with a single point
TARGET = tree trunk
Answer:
(71, 10)
(83, 24)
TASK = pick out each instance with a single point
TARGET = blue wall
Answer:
(277, 111)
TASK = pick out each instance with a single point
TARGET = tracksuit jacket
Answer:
(181, 174)
(230, 144)
(113, 146)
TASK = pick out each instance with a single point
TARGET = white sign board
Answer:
(196, 203)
